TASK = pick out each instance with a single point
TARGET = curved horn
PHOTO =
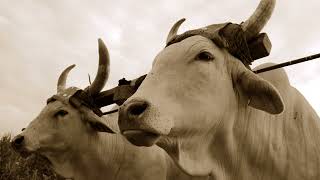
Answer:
(259, 18)
(174, 30)
(103, 70)
(63, 78)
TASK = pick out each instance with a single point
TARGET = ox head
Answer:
(197, 86)
(69, 119)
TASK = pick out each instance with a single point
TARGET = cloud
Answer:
(38, 39)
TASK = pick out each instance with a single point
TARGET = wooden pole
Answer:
(300, 60)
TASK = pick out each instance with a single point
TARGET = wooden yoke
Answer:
(260, 46)
(118, 94)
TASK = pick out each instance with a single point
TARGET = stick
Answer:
(304, 59)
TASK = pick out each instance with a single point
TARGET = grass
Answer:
(14, 167)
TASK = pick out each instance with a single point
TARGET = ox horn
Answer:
(174, 30)
(103, 70)
(63, 78)
(259, 18)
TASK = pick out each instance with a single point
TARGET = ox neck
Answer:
(209, 154)
(191, 152)
(94, 157)
(252, 144)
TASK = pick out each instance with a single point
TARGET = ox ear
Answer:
(261, 94)
(96, 123)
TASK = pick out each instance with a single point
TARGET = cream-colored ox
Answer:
(213, 115)
(67, 133)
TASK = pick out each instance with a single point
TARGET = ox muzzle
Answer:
(18, 144)
(130, 114)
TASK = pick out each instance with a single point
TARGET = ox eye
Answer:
(60, 113)
(205, 56)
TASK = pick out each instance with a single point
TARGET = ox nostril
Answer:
(17, 142)
(137, 108)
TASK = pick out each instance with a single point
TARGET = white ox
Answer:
(214, 116)
(68, 135)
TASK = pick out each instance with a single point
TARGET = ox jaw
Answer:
(140, 137)
(24, 153)
(27, 154)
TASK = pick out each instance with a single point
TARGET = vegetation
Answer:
(14, 167)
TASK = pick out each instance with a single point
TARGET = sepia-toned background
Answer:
(38, 39)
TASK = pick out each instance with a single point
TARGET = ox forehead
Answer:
(76, 97)
(226, 35)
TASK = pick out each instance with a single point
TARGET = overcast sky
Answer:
(39, 38)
